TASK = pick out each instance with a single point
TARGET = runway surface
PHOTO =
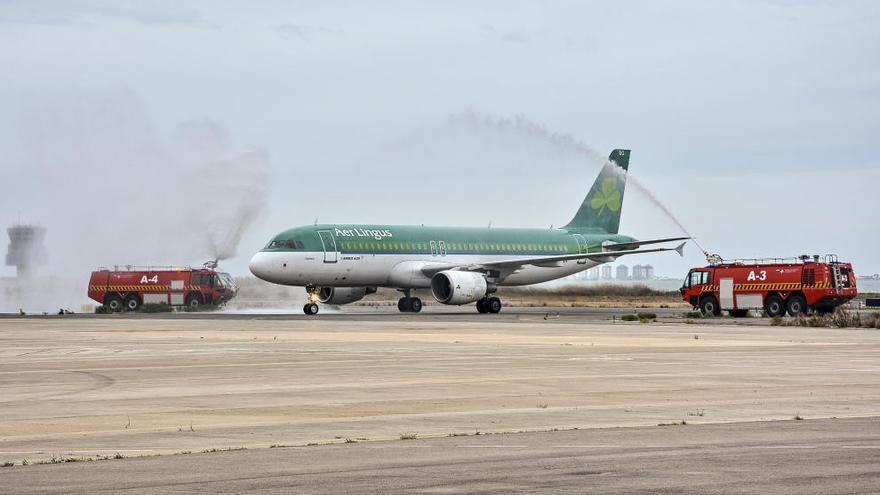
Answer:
(81, 387)
(802, 457)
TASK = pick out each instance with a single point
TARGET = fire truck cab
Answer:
(777, 286)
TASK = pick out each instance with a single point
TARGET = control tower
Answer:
(26, 249)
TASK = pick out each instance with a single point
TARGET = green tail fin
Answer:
(600, 211)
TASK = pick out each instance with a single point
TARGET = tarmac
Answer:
(354, 384)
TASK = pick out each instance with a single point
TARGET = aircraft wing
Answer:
(507, 267)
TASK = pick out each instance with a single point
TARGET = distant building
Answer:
(622, 272)
(643, 272)
(637, 273)
(606, 272)
(26, 249)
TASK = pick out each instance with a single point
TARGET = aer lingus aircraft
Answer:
(342, 263)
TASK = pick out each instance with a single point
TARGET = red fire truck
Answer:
(776, 285)
(130, 287)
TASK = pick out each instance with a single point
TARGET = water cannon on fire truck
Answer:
(775, 285)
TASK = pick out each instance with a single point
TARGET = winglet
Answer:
(680, 249)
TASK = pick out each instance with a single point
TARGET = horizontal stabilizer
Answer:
(620, 246)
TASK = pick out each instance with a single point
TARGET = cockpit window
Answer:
(285, 244)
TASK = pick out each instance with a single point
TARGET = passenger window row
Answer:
(452, 246)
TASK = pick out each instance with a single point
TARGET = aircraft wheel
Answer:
(774, 306)
(310, 309)
(796, 305)
(415, 304)
(493, 305)
(481, 306)
(404, 304)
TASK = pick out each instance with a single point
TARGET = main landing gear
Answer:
(409, 304)
(489, 305)
(311, 307)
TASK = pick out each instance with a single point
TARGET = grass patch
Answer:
(408, 436)
(598, 290)
(156, 308)
(840, 318)
(542, 406)
(693, 314)
(8, 464)
(798, 417)
(629, 318)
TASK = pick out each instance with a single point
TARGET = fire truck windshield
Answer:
(227, 281)
(696, 277)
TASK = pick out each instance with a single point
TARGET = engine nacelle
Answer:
(343, 295)
(455, 287)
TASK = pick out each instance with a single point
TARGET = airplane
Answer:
(342, 263)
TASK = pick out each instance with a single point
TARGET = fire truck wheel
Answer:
(113, 302)
(132, 303)
(797, 305)
(774, 306)
(709, 306)
(193, 301)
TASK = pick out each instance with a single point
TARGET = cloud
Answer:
(87, 11)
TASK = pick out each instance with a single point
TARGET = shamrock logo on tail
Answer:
(607, 197)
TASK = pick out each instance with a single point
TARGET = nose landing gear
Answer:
(311, 307)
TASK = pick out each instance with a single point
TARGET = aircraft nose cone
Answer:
(259, 266)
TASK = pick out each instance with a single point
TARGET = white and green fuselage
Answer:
(345, 255)
(343, 262)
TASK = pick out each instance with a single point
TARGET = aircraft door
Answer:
(582, 247)
(330, 252)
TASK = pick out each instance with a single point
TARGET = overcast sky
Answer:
(756, 122)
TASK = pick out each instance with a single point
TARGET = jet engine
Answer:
(343, 295)
(456, 287)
